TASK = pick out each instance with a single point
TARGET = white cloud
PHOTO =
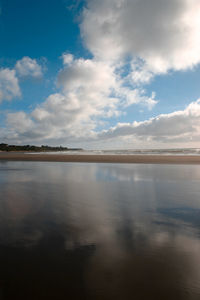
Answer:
(67, 58)
(20, 121)
(9, 86)
(90, 92)
(140, 73)
(179, 126)
(9, 82)
(28, 67)
(130, 96)
(50, 123)
(100, 83)
(86, 87)
(87, 74)
(164, 34)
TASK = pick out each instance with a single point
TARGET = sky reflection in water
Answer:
(99, 231)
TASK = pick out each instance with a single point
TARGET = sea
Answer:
(99, 231)
(175, 151)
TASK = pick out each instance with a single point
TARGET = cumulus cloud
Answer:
(100, 80)
(164, 34)
(28, 67)
(85, 95)
(87, 74)
(67, 58)
(90, 92)
(49, 123)
(9, 78)
(9, 85)
(19, 121)
(183, 126)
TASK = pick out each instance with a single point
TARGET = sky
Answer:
(100, 74)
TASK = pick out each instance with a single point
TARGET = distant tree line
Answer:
(43, 148)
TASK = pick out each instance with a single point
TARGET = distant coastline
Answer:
(31, 148)
(65, 154)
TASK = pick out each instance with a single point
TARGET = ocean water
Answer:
(179, 151)
(99, 231)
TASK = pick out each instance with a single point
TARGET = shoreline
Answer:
(136, 159)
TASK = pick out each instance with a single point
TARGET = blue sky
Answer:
(42, 30)
(38, 29)
(100, 73)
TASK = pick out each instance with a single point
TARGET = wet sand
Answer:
(99, 231)
(141, 159)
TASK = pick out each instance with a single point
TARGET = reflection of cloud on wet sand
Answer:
(150, 270)
(114, 232)
(18, 210)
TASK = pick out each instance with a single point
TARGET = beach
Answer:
(98, 230)
(136, 159)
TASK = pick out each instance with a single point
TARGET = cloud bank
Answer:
(177, 127)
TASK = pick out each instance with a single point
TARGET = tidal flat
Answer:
(99, 231)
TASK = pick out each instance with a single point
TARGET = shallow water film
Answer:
(99, 231)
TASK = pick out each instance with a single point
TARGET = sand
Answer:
(142, 159)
